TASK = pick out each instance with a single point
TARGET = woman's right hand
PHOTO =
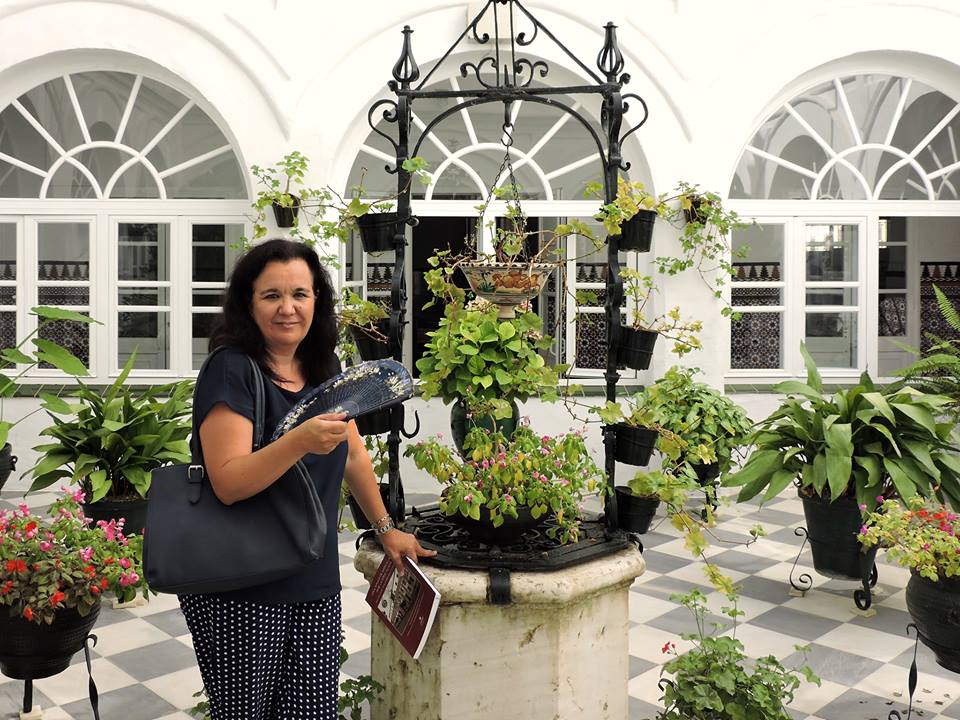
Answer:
(321, 434)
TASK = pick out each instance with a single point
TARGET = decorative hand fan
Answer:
(358, 390)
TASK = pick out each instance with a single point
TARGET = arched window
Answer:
(554, 157)
(129, 196)
(852, 279)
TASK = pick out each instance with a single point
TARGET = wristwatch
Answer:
(384, 525)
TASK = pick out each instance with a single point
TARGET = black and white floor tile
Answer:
(145, 668)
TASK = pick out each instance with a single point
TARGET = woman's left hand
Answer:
(397, 544)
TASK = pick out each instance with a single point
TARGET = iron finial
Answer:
(406, 70)
(610, 59)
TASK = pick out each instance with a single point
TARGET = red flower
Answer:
(7, 587)
(90, 570)
(28, 614)
(30, 526)
(104, 583)
(95, 589)
(922, 513)
(11, 566)
(108, 561)
(56, 598)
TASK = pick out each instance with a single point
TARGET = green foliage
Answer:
(640, 289)
(866, 442)
(44, 351)
(668, 487)
(46, 565)
(359, 313)
(715, 681)
(546, 474)
(922, 536)
(114, 439)
(938, 370)
(380, 459)
(487, 361)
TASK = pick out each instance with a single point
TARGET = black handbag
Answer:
(193, 543)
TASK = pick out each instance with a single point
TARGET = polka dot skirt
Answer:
(267, 662)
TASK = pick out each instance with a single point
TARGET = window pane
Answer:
(207, 297)
(218, 177)
(742, 297)
(74, 336)
(213, 256)
(195, 134)
(135, 182)
(8, 329)
(756, 341)
(70, 182)
(831, 339)
(155, 105)
(203, 324)
(8, 251)
(8, 296)
(63, 295)
(50, 105)
(832, 296)
(832, 252)
(103, 97)
(758, 253)
(149, 334)
(591, 341)
(63, 251)
(893, 267)
(17, 182)
(143, 296)
(144, 251)
(893, 315)
(103, 163)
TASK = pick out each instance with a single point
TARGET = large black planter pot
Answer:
(8, 463)
(29, 651)
(832, 529)
(637, 232)
(634, 513)
(460, 425)
(634, 444)
(377, 231)
(636, 347)
(371, 347)
(134, 513)
(359, 519)
(375, 423)
(483, 531)
(286, 217)
(935, 609)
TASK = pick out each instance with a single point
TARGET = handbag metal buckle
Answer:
(195, 473)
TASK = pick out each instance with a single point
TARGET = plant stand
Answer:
(556, 649)
(29, 711)
(862, 597)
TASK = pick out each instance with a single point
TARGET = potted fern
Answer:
(938, 369)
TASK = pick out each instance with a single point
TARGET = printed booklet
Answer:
(407, 604)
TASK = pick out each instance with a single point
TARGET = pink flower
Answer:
(24, 510)
(125, 563)
(45, 546)
(468, 498)
(86, 554)
(926, 546)
(508, 498)
(862, 507)
(863, 529)
(879, 498)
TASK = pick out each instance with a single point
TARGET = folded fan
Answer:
(358, 390)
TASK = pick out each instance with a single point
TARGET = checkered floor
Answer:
(145, 668)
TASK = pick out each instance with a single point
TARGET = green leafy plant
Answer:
(62, 562)
(922, 536)
(543, 473)
(640, 288)
(43, 351)
(112, 440)
(668, 487)
(380, 459)
(631, 198)
(938, 369)
(864, 442)
(487, 361)
(715, 680)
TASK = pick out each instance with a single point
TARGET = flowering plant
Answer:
(543, 473)
(63, 562)
(921, 536)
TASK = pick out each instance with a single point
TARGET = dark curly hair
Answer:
(236, 327)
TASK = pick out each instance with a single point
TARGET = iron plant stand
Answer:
(862, 597)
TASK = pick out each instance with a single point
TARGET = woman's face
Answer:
(283, 301)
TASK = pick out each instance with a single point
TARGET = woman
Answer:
(272, 651)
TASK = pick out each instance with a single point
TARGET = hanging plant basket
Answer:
(509, 532)
(371, 347)
(8, 463)
(636, 347)
(460, 424)
(375, 423)
(286, 217)
(634, 444)
(637, 233)
(32, 651)
(507, 284)
(377, 231)
(935, 609)
(635, 512)
(706, 472)
(832, 528)
(134, 513)
(696, 213)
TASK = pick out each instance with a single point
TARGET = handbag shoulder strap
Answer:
(258, 407)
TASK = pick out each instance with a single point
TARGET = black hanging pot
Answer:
(637, 232)
(706, 472)
(8, 463)
(134, 513)
(512, 529)
(286, 217)
(30, 651)
(695, 213)
(832, 529)
(636, 347)
(635, 512)
(371, 347)
(460, 424)
(359, 519)
(935, 609)
(375, 423)
(634, 444)
(377, 231)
